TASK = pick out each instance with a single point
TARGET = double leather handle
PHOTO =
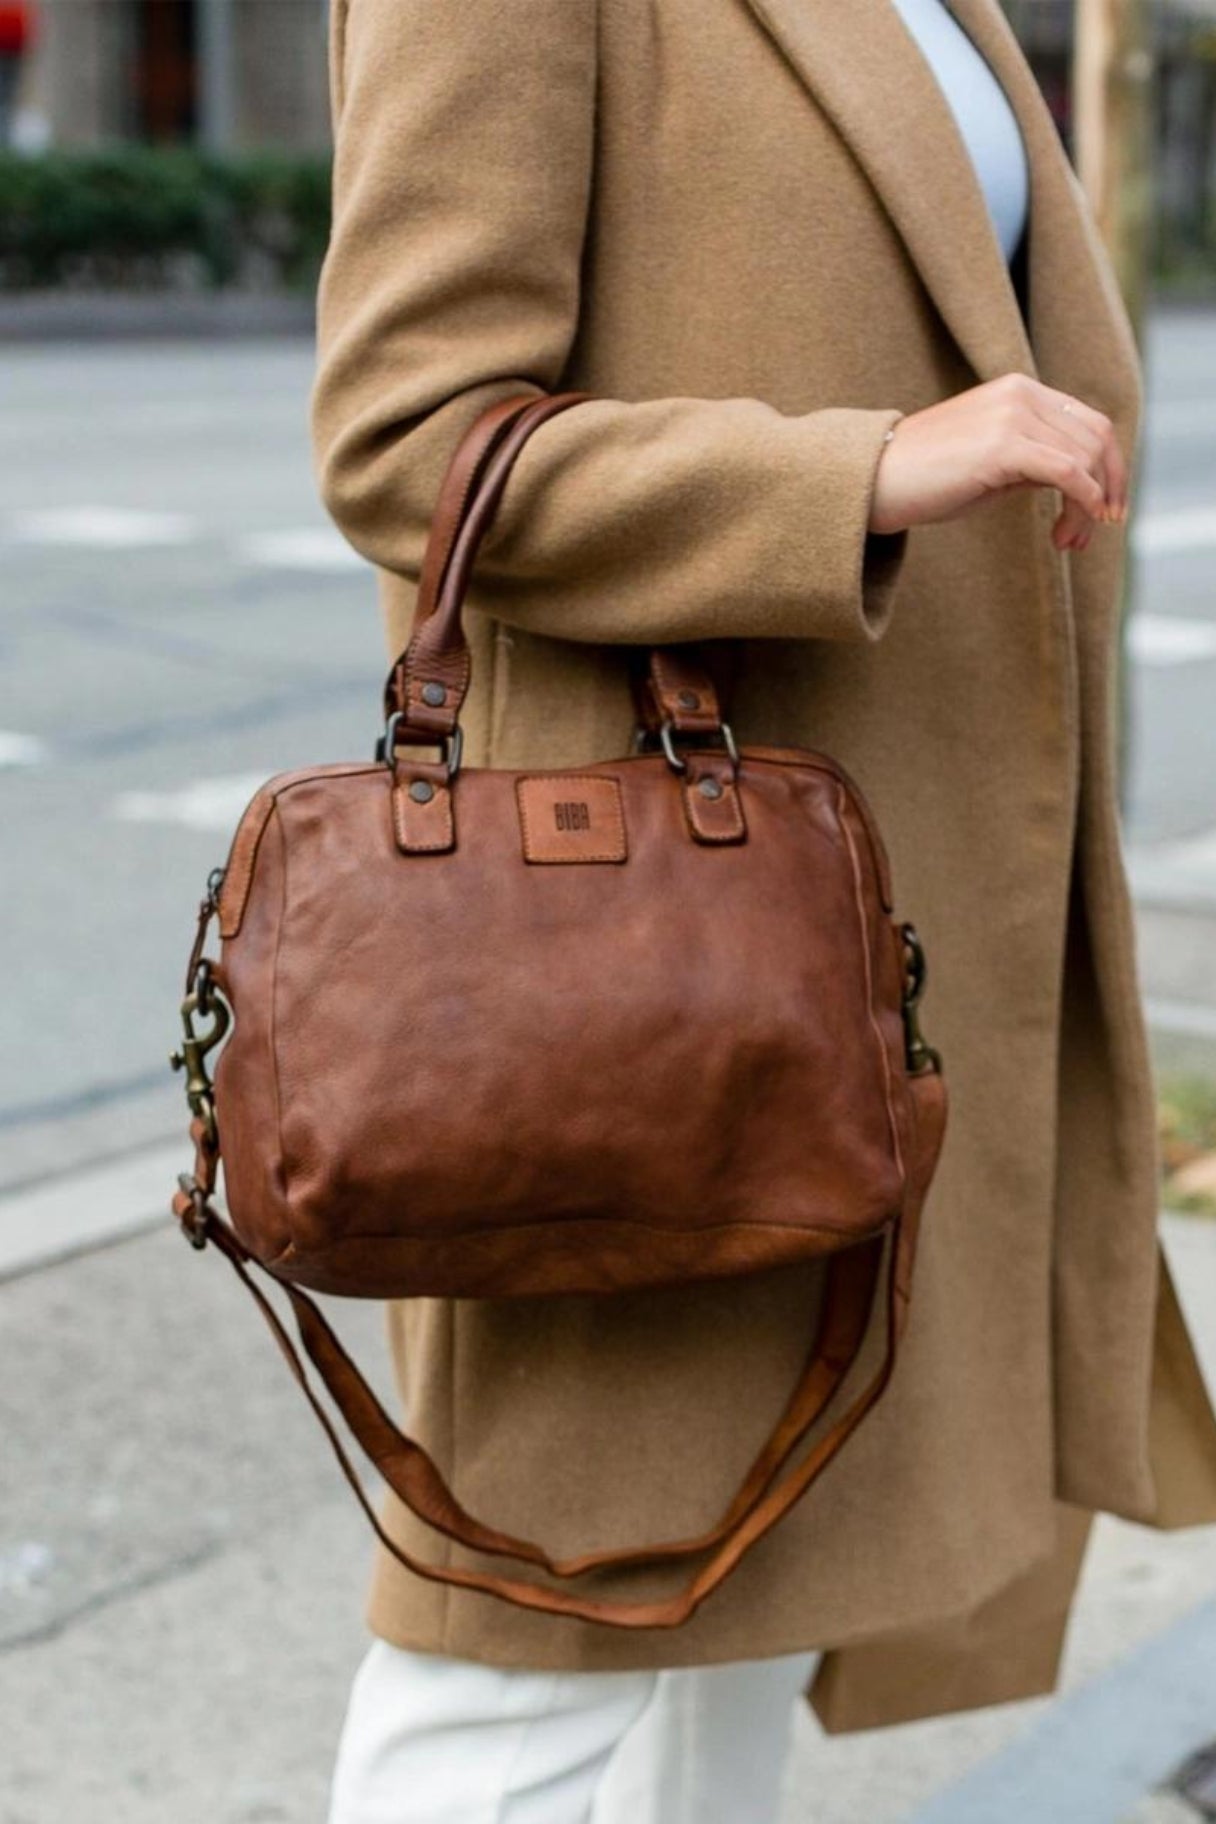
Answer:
(427, 685)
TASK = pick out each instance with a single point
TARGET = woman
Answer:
(865, 403)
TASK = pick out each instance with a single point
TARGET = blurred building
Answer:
(238, 73)
(1184, 58)
(250, 73)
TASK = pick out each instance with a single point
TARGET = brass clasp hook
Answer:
(206, 1002)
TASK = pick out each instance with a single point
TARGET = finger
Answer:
(1051, 397)
(1114, 471)
(1074, 440)
(1036, 457)
(1119, 473)
(1072, 432)
(1068, 406)
(1072, 528)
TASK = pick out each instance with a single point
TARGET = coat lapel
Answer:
(866, 71)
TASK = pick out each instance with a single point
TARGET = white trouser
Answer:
(429, 1740)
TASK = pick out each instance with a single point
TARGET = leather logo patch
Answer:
(566, 817)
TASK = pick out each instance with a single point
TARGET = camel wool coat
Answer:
(752, 231)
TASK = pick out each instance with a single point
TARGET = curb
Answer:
(76, 1211)
(56, 316)
(1176, 957)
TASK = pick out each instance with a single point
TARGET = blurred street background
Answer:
(181, 1569)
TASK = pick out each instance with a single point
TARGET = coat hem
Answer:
(573, 1647)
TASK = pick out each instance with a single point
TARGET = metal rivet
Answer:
(709, 787)
(433, 695)
(422, 791)
(688, 699)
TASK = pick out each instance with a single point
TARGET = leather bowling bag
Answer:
(518, 1034)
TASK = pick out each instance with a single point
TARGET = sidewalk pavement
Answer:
(180, 1608)
(1138, 1693)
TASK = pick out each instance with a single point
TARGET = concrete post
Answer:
(216, 75)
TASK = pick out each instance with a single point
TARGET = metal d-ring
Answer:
(194, 1226)
(451, 746)
(667, 738)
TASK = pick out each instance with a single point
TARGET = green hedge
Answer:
(150, 216)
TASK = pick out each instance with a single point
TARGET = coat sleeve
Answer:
(464, 137)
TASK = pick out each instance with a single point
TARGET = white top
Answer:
(981, 110)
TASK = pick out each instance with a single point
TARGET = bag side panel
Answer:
(246, 1076)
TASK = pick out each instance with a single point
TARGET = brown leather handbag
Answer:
(496, 1034)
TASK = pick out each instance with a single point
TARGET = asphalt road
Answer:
(1172, 799)
(178, 619)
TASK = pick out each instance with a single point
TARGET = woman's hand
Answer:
(1008, 433)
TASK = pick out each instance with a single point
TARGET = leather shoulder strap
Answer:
(769, 1489)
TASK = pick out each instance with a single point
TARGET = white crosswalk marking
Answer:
(1182, 1017)
(322, 547)
(1168, 639)
(104, 528)
(306, 548)
(20, 750)
(208, 804)
(1175, 872)
(1185, 529)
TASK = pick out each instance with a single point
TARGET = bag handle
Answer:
(769, 1489)
(459, 484)
(429, 680)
